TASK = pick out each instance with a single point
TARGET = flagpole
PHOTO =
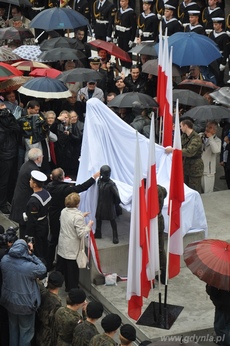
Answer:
(167, 260)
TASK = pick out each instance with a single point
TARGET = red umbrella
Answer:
(112, 49)
(209, 260)
(7, 71)
(29, 65)
(45, 72)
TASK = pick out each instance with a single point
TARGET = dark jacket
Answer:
(108, 198)
(138, 85)
(9, 131)
(20, 292)
(220, 298)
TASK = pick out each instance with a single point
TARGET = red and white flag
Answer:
(176, 197)
(152, 207)
(161, 82)
(138, 285)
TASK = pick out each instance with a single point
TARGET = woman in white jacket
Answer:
(73, 228)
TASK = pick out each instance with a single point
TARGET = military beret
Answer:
(128, 332)
(77, 296)
(94, 309)
(56, 279)
(110, 323)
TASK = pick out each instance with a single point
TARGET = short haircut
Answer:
(187, 122)
(72, 200)
(212, 122)
(34, 154)
(33, 104)
(57, 174)
(135, 66)
(50, 112)
(38, 183)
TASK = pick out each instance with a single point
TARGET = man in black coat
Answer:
(23, 190)
(59, 190)
(9, 131)
(103, 13)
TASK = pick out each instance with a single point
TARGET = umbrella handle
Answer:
(8, 15)
(36, 39)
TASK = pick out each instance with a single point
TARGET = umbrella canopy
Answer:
(112, 49)
(44, 87)
(45, 72)
(189, 98)
(12, 33)
(147, 48)
(151, 67)
(18, 2)
(127, 99)
(209, 112)
(209, 260)
(63, 42)
(13, 83)
(58, 18)
(195, 50)
(6, 54)
(61, 54)
(28, 52)
(198, 86)
(29, 65)
(79, 74)
(7, 71)
(222, 96)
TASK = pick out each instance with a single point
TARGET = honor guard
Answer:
(194, 24)
(103, 17)
(183, 9)
(211, 11)
(125, 28)
(169, 21)
(147, 23)
(160, 6)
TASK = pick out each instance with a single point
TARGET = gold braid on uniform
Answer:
(180, 15)
(228, 21)
(94, 11)
(116, 20)
(157, 9)
(139, 24)
(203, 19)
(50, 3)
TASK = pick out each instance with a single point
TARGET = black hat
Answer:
(56, 279)
(110, 323)
(94, 309)
(170, 5)
(128, 332)
(77, 296)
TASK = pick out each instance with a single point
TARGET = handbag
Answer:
(82, 259)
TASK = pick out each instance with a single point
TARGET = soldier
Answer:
(194, 24)
(184, 7)
(209, 12)
(84, 332)
(127, 335)
(160, 6)
(191, 152)
(103, 17)
(169, 21)
(50, 303)
(36, 214)
(66, 318)
(220, 37)
(147, 23)
(110, 324)
(125, 28)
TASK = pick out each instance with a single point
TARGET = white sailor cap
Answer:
(169, 7)
(218, 20)
(38, 176)
(194, 13)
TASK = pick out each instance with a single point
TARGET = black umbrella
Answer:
(209, 112)
(126, 100)
(189, 98)
(222, 96)
(12, 33)
(147, 48)
(61, 54)
(62, 42)
(79, 74)
(18, 2)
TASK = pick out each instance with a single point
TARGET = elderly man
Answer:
(91, 90)
(211, 147)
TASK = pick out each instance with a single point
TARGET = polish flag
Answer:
(176, 197)
(152, 207)
(161, 79)
(138, 285)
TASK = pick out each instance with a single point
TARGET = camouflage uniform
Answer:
(162, 193)
(102, 340)
(45, 331)
(83, 333)
(192, 161)
(65, 322)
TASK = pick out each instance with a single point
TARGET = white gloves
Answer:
(108, 39)
(228, 33)
(115, 40)
(130, 44)
(222, 67)
(159, 16)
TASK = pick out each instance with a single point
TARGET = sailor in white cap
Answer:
(184, 7)
(147, 23)
(36, 213)
(170, 21)
(194, 24)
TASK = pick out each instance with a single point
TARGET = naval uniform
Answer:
(173, 26)
(147, 26)
(125, 30)
(160, 5)
(37, 223)
(208, 14)
(103, 18)
(183, 9)
(199, 29)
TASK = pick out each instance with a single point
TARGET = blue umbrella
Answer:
(190, 48)
(58, 18)
(44, 87)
